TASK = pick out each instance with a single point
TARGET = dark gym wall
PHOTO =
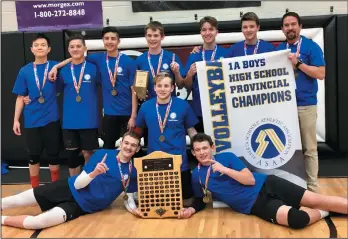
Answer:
(335, 43)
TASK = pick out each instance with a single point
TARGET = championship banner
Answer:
(57, 15)
(250, 109)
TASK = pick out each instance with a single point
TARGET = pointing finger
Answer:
(104, 158)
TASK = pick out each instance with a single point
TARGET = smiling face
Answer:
(111, 41)
(164, 88)
(291, 28)
(250, 29)
(76, 49)
(208, 33)
(40, 47)
(129, 146)
(203, 152)
(153, 38)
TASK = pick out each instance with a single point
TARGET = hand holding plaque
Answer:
(141, 83)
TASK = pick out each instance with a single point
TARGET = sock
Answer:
(55, 174)
(34, 180)
(3, 219)
(323, 213)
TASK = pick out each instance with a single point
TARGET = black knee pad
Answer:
(297, 219)
(34, 159)
(73, 158)
(53, 160)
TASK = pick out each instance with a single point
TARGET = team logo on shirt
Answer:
(268, 144)
(119, 69)
(172, 115)
(87, 77)
(165, 66)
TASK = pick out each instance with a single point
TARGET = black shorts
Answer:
(186, 185)
(58, 194)
(48, 137)
(84, 139)
(114, 126)
(275, 193)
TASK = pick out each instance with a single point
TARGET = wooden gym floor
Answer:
(116, 222)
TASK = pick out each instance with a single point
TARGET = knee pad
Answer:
(73, 158)
(34, 159)
(50, 218)
(297, 219)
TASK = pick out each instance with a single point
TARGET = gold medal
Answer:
(41, 100)
(162, 138)
(206, 199)
(113, 92)
(125, 197)
(78, 99)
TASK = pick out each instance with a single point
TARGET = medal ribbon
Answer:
(159, 64)
(113, 77)
(37, 77)
(124, 182)
(204, 189)
(77, 86)
(161, 124)
(255, 50)
(212, 55)
(298, 46)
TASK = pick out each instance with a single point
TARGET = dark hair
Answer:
(211, 20)
(77, 37)
(42, 36)
(201, 137)
(132, 134)
(110, 29)
(155, 25)
(161, 75)
(250, 16)
(291, 14)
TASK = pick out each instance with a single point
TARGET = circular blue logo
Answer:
(268, 141)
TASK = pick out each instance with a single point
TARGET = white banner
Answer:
(249, 108)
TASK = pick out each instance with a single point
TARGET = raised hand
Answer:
(218, 167)
(101, 167)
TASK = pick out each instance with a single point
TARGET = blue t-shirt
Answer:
(239, 197)
(121, 104)
(104, 188)
(84, 114)
(36, 114)
(221, 52)
(306, 86)
(143, 64)
(181, 117)
(238, 48)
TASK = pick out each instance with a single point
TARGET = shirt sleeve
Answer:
(132, 70)
(189, 62)
(235, 162)
(133, 184)
(316, 56)
(138, 62)
(230, 52)
(191, 118)
(93, 58)
(140, 120)
(20, 86)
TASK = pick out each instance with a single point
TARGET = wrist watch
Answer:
(299, 62)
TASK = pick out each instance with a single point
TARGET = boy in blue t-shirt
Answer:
(95, 189)
(209, 52)
(168, 119)
(269, 197)
(309, 65)
(41, 116)
(250, 24)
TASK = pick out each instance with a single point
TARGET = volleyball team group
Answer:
(163, 120)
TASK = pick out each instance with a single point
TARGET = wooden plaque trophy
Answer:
(159, 185)
(140, 84)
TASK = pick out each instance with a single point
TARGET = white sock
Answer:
(3, 220)
(323, 213)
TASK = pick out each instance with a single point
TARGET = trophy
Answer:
(159, 185)
(140, 84)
